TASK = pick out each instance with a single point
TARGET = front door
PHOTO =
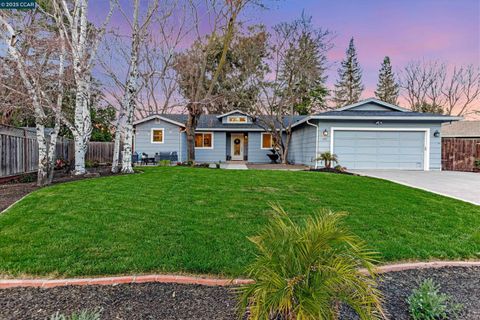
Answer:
(237, 146)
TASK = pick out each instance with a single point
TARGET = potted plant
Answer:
(273, 155)
(476, 165)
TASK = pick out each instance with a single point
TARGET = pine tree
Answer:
(387, 88)
(349, 87)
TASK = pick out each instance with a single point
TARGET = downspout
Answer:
(316, 142)
(180, 138)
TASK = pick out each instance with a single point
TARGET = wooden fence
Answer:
(459, 154)
(19, 151)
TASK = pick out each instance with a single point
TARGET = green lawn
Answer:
(197, 221)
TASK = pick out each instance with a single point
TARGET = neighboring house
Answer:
(461, 129)
(460, 145)
(370, 134)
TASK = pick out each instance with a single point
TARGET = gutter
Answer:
(316, 142)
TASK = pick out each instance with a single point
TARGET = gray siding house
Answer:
(370, 134)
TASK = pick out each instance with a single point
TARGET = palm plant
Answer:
(328, 157)
(305, 272)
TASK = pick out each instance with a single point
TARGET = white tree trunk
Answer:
(131, 93)
(42, 173)
(83, 125)
(52, 151)
(127, 149)
(119, 128)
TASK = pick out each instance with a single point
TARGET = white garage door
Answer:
(357, 149)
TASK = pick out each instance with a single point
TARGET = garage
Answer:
(381, 149)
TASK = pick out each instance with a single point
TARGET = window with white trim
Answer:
(157, 135)
(267, 140)
(204, 140)
(237, 119)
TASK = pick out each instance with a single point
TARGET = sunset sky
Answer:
(405, 30)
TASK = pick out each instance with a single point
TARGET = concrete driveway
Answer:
(459, 185)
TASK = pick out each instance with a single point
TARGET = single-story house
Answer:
(370, 134)
(461, 145)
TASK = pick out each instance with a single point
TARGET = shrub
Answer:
(164, 163)
(477, 163)
(328, 158)
(60, 163)
(305, 271)
(91, 164)
(27, 178)
(340, 168)
(427, 303)
(82, 315)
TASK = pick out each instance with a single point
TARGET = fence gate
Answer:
(459, 154)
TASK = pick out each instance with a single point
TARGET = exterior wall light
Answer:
(325, 133)
(436, 134)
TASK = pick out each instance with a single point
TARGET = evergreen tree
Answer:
(349, 87)
(304, 65)
(387, 88)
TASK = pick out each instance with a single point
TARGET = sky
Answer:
(404, 30)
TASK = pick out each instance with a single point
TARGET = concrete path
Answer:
(464, 186)
(234, 166)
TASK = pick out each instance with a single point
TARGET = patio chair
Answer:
(135, 158)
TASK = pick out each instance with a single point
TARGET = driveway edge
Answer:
(50, 283)
(415, 187)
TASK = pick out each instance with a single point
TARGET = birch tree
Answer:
(132, 86)
(82, 39)
(131, 55)
(33, 53)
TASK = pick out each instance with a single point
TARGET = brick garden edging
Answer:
(46, 283)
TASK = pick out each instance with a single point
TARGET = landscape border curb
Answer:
(205, 281)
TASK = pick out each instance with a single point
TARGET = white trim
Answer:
(161, 118)
(231, 112)
(261, 140)
(404, 118)
(426, 149)
(241, 136)
(317, 133)
(205, 148)
(163, 135)
(374, 100)
(396, 118)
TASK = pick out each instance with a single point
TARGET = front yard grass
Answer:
(198, 220)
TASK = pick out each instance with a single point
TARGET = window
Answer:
(237, 119)
(267, 141)
(204, 140)
(157, 135)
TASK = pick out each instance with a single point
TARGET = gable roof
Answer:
(232, 112)
(213, 122)
(465, 129)
(162, 117)
(373, 100)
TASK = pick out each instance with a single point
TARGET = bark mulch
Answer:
(14, 190)
(176, 301)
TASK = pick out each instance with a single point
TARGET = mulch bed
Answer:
(14, 190)
(175, 301)
(331, 170)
